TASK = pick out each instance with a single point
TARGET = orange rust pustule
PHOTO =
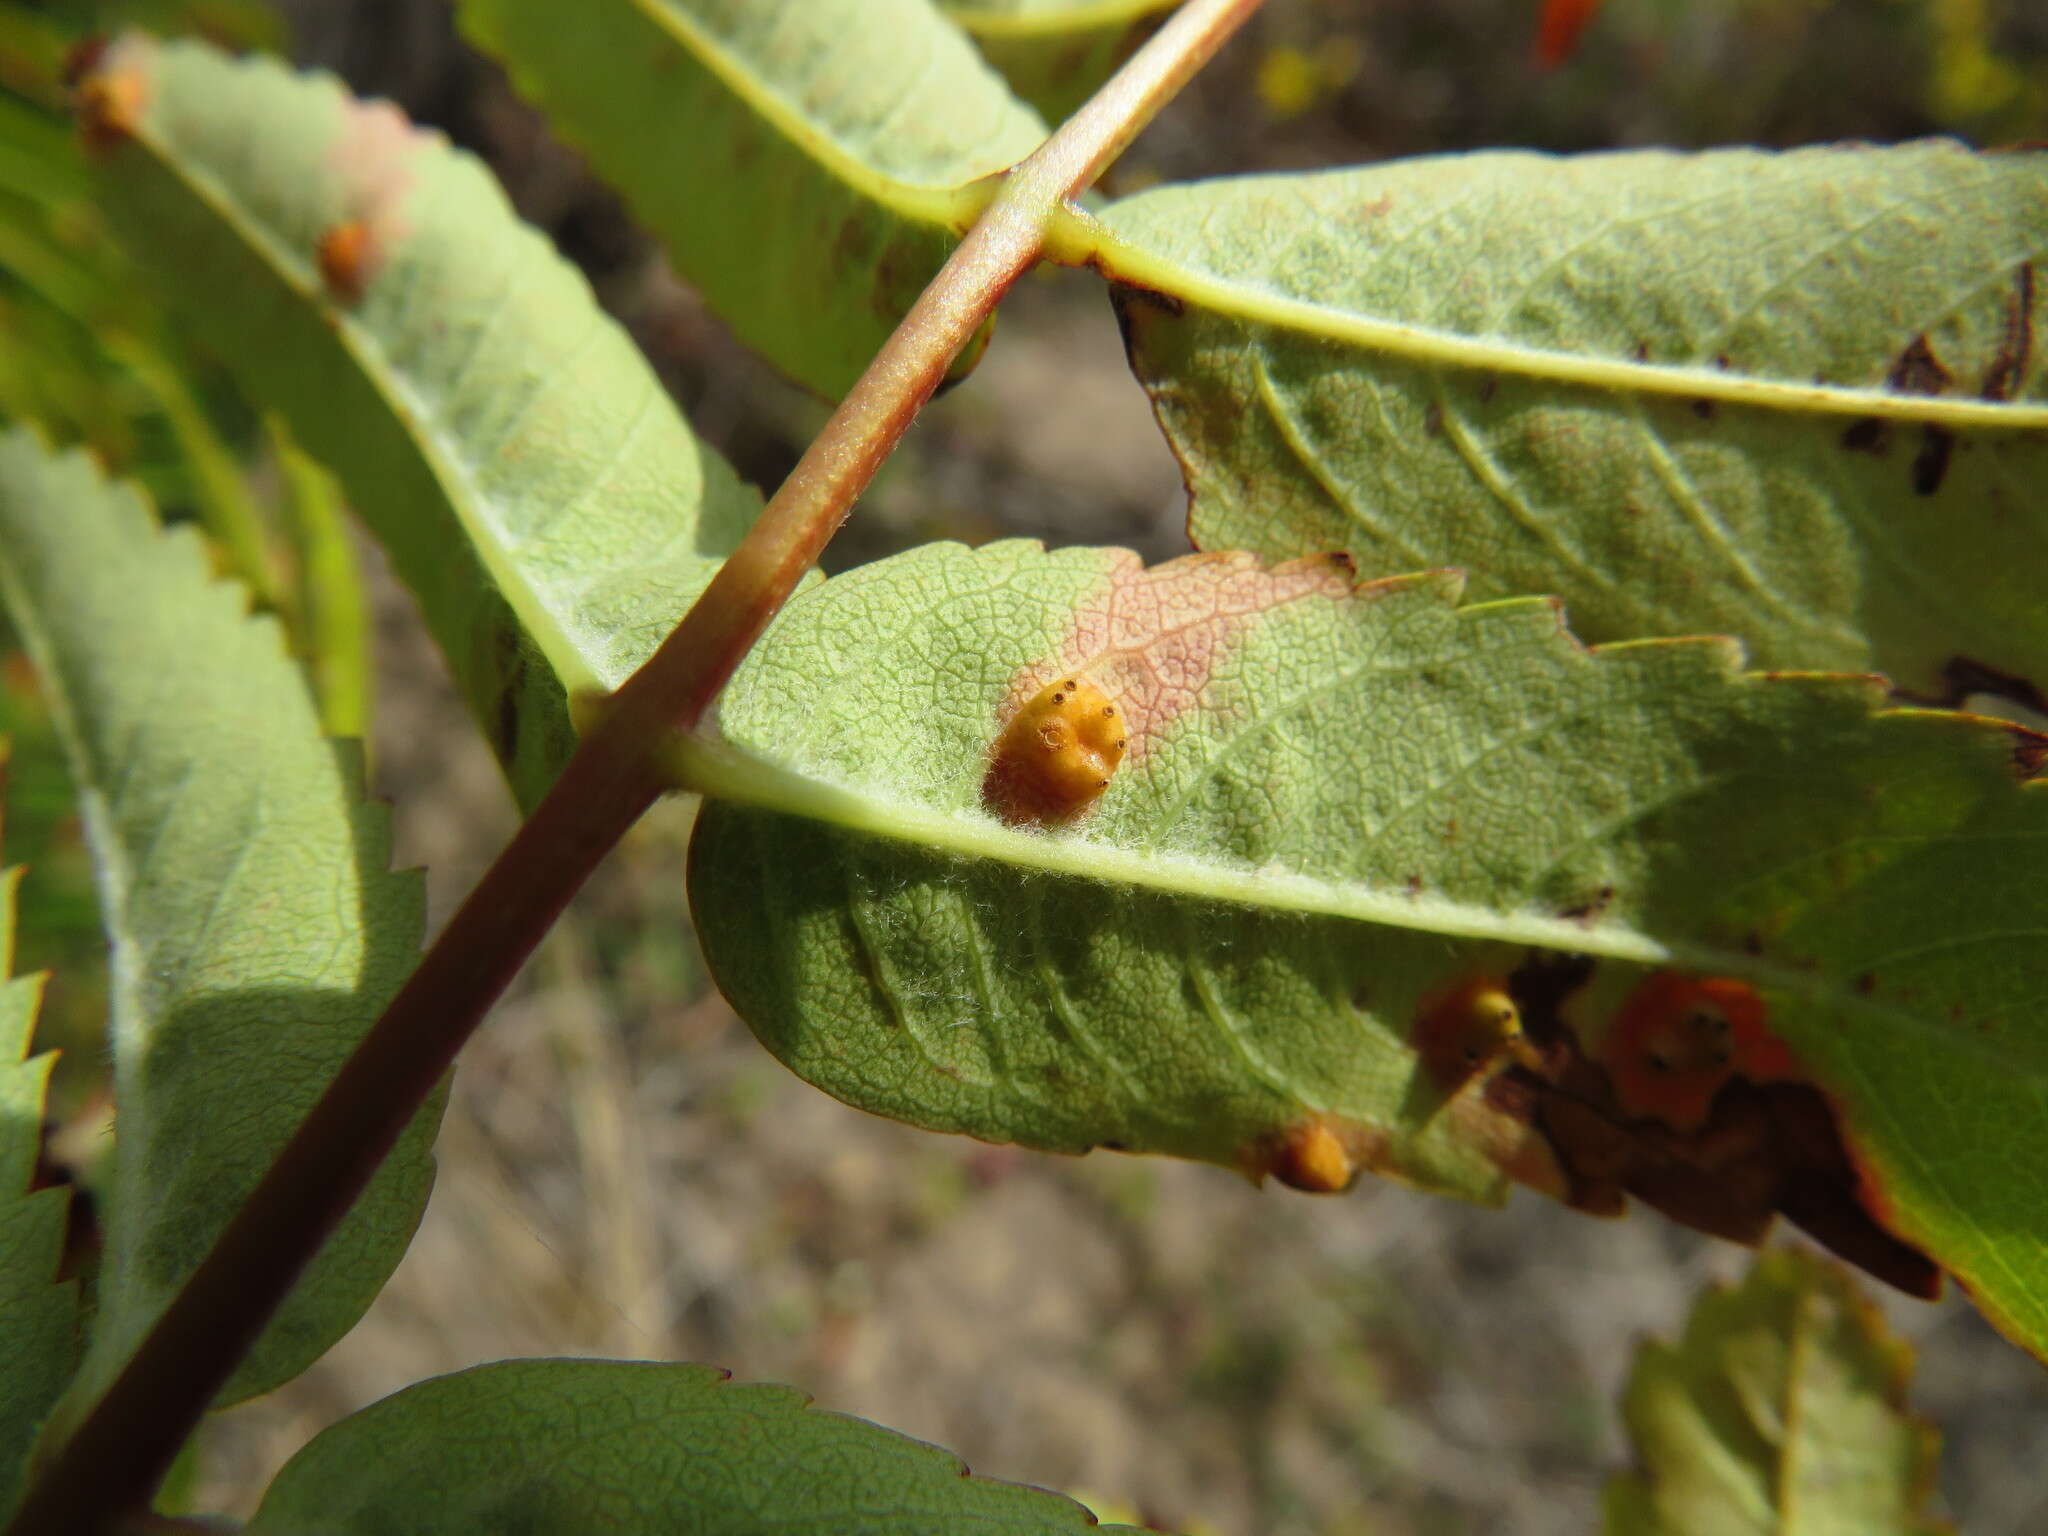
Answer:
(348, 259)
(1056, 756)
(1320, 1155)
(1678, 1040)
(1460, 1033)
(110, 103)
(1314, 1159)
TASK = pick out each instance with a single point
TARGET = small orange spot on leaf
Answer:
(348, 259)
(110, 103)
(1462, 1032)
(1322, 1154)
(1313, 1158)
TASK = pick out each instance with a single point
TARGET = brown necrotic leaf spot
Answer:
(1056, 756)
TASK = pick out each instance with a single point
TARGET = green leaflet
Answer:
(1782, 1412)
(1339, 801)
(255, 928)
(562, 1447)
(1795, 398)
(38, 1313)
(97, 360)
(1055, 53)
(807, 166)
(511, 449)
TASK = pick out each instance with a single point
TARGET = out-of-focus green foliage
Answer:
(91, 360)
(38, 1313)
(1781, 1411)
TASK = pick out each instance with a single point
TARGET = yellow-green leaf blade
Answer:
(256, 929)
(808, 167)
(1341, 801)
(504, 439)
(1782, 1412)
(1055, 53)
(1795, 398)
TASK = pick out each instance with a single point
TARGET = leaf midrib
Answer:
(951, 209)
(1076, 239)
(1051, 22)
(721, 770)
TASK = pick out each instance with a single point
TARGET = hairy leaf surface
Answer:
(808, 166)
(568, 1446)
(256, 930)
(1338, 801)
(1055, 53)
(38, 1313)
(1796, 398)
(507, 443)
(1782, 1412)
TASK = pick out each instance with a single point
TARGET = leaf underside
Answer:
(1782, 1412)
(1055, 53)
(1795, 398)
(256, 930)
(95, 361)
(1340, 800)
(807, 167)
(569, 1446)
(506, 442)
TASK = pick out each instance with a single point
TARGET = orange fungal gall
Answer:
(1313, 1158)
(109, 103)
(1678, 1039)
(1056, 756)
(1463, 1031)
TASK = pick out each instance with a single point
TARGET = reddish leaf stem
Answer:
(123, 1447)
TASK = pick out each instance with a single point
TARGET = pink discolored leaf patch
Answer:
(375, 159)
(1153, 636)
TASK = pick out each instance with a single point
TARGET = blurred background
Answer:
(623, 1172)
